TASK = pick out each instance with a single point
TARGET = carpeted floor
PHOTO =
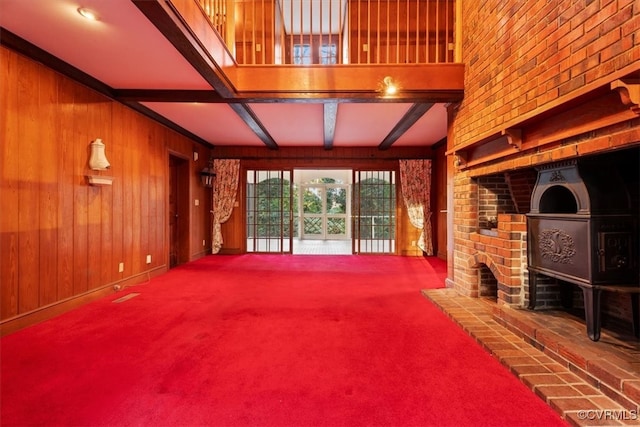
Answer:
(264, 340)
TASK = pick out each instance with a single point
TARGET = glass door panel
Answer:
(269, 211)
(312, 212)
(325, 211)
(373, 212)
(336, 203)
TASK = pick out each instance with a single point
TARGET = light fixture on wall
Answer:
(87, 14)
(98, 162)
(389, 87)
(207, 174)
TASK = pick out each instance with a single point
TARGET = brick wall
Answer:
(525, 59)
(503, 252)
(494, 198)
(521, 183)
(522, 56)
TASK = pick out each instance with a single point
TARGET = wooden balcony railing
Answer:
(262, 32)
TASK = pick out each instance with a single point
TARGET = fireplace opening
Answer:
(494, 198)
(558, 200)
(488, 286)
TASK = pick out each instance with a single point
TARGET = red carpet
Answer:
(264, 340)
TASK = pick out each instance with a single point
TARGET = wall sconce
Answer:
(389, 87)
(98, 162)
(207, 174)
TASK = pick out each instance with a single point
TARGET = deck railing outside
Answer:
(262, 32)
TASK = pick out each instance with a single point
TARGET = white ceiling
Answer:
(124, 50)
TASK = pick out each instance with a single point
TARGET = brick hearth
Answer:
(587, 383)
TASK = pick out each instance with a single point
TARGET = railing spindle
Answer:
(437, 31)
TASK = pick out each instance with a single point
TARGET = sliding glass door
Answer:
(277, 211)
(374, 212)
(269, 211)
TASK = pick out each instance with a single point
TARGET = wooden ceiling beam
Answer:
(411, 116)
(330, 120)
(246, 113)
(168, 22)
(210, 96)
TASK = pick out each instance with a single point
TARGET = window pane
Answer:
(328, 54)
(301, 54)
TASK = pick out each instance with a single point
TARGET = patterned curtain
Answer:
(225, 188)
(415, 178)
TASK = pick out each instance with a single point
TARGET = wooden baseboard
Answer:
(41, 314)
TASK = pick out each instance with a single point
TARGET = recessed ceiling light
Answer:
(87, 14)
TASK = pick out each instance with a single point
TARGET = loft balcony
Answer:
(317, 50)
(329, 32)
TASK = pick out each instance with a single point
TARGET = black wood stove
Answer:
(581, 230)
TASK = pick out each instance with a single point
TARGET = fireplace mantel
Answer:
(595, 107)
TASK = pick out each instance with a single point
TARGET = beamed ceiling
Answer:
(145, 54)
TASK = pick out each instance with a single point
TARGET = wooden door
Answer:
(178, 211)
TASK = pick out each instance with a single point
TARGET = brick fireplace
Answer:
(542, 86)
(490, 235)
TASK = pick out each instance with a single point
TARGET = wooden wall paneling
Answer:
(95, 128)
(136, 148)
(59, 236)
(207, 220)
(80, 191)
(28, 203)
(439, 202)
(116, 158)
(9, 187)
(128, 147)
(94, 195)
(49, 173)
(208, 223)
(104, 130)
(154, 157)
(202, 194)
(201, 215)
(155, 205)
(143, 179)
(66, 183)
